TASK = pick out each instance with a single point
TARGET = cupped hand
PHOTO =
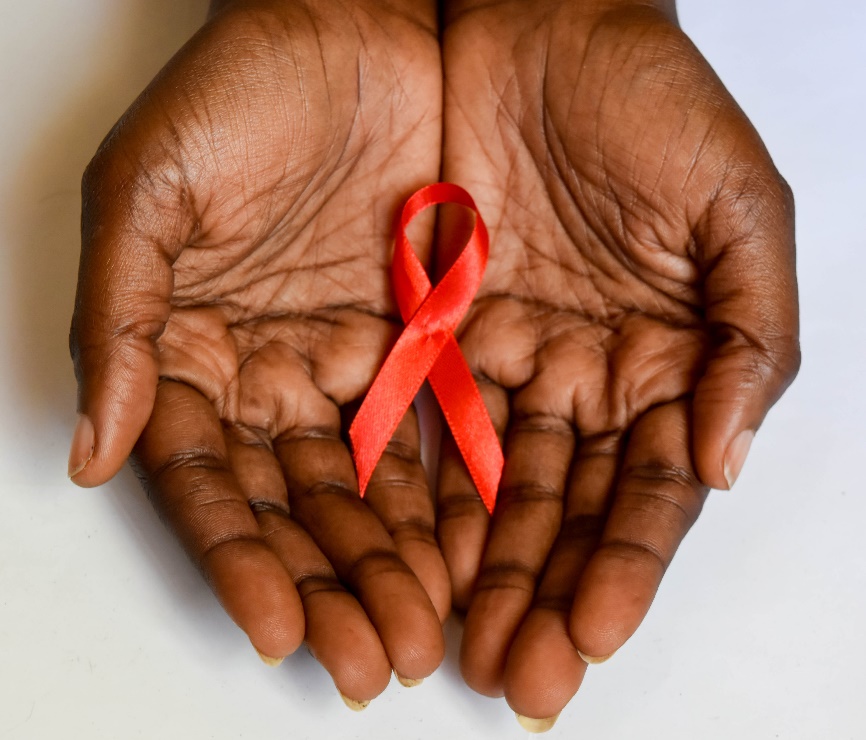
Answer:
(234, 304)
(637, 320)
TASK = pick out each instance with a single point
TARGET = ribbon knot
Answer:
(428, 349)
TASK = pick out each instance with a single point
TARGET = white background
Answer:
(106, 631)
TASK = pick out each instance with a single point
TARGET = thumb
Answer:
(129, 242)
(746, 251)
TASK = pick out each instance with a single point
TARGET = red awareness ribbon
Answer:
(427, 348)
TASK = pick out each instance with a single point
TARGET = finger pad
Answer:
(491, 624)
(543, 671)
(612, 600)
(259, 595)
(342, 639)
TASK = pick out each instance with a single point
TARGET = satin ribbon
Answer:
(428, 349)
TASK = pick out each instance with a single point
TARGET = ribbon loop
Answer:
(428, 349)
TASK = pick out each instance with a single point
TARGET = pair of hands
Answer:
(637, 319)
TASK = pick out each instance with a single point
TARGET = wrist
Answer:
(625, 11)
(407, 7)
(667, 8)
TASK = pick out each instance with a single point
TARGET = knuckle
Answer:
(374, 563)
(316, 583)
(582, 529)
(466, 505)
(385, 485)
(402, 452)
(202, 459)
(663, 473)
(264, 506)
(777, 363)
(507, 575)
(601, 444)
(530, 492)
(96, 346)
(641, 554)
(540, 423)
(558, 602)
(325, 489)
(769, 360)
(789, 359)
(668, 492)
(217, 543)
(757, 200)
(413, 530)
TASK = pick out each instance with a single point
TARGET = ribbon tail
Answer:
(391, 394)
(469, 420)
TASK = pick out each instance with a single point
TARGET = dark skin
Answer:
(234, 304)
(637, 316)
(637, 320)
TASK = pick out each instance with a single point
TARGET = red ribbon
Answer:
(427, 348)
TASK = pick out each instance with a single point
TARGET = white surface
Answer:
(107, 632)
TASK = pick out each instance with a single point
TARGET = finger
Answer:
(323, 495)
(339, 633)
(544, 670)
(182, 460)
(462, 519)
(657, 499)
(255, 466)
(751, 297)
(527, 518)
(121, 306)
(399, 496)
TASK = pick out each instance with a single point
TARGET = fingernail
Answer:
(354, 704)
(592, 660)
(536, 725)
(408, 682)
(736, 456)
(268, 660)
(83, 442)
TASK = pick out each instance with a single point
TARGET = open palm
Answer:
(234, 304)
(636, 321)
